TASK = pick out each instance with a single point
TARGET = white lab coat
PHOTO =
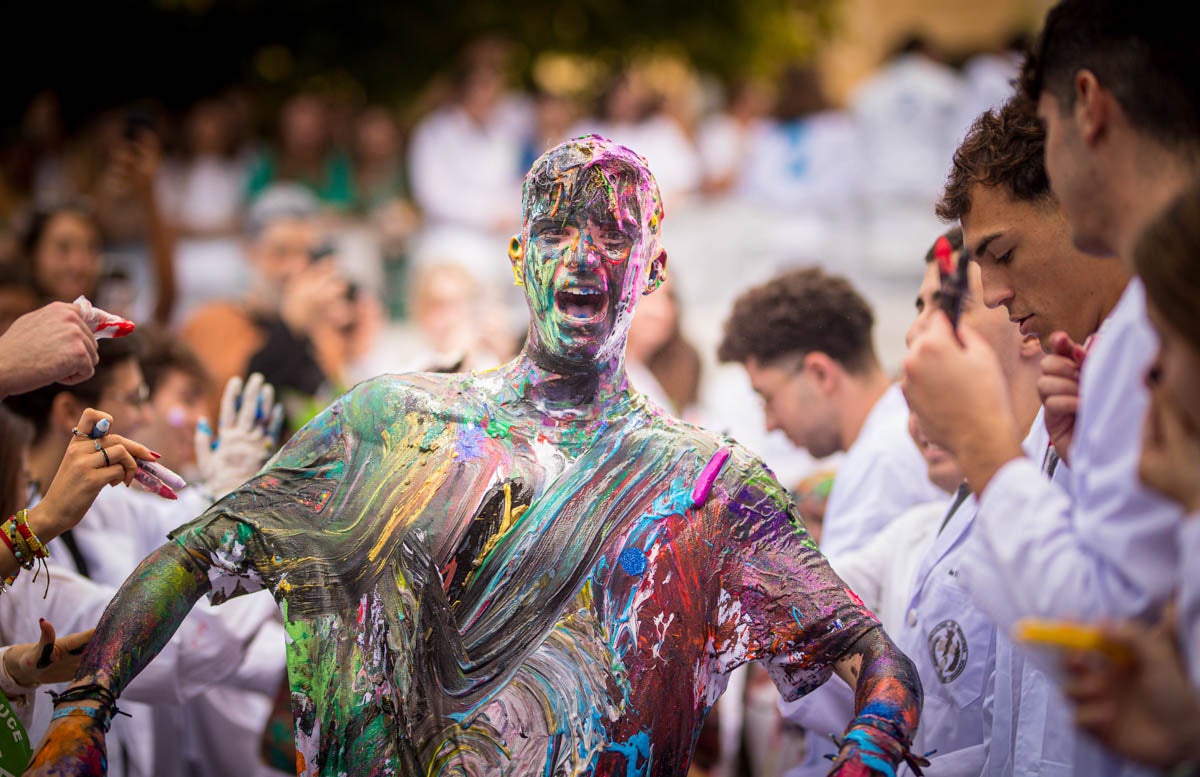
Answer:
(181, 670)
(953, 645)
(466, 180)
(908, 115)
(1189, 594)
(123, 527)
(1104, 546)
(881, 573)
(881, 476)
(1110, 550)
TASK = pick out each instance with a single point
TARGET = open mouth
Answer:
(581, 305)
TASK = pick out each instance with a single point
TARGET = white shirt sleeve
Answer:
(1110, 550)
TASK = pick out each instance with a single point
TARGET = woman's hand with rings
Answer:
(82, 473)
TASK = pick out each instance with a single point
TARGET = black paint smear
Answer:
(488, 520)
(44, 659)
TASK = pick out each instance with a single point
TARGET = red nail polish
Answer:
(155, 455)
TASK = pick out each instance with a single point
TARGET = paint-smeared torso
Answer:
(469, 592)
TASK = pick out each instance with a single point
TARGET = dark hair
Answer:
(39, 218)
(799, 312)
(676, 364)
(161, 351)
(1004, 147)
(1167, 257)
(15, 436)
(594, 170)
(16, 274)
(800, 93)
(1142, 52)
(35, 405)
(954, 235)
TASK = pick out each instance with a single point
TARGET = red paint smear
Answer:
(943, 252)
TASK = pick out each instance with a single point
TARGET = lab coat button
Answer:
(912, 617)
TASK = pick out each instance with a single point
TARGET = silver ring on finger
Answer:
(103, 453)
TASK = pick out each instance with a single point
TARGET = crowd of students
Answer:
(1032, 470)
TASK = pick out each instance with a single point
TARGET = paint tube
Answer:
(102, 323)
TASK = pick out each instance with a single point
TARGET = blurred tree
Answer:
(96, 55)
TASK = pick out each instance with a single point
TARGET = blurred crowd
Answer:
(279, 260)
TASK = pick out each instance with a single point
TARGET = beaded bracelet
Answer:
(35, 545)
(25, 546)
(91, 692)
(96, 713)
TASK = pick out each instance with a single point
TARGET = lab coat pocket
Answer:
(958, 645)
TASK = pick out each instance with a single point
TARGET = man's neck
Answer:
(1152, 177)
(568, 390)
(1110, 278)
(863, 392)
(1022, 389)
(44, 458)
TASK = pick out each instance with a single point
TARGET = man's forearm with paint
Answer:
(887, 697)
(161, 591)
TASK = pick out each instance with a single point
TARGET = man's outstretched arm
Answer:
(887, 704)
(141, 618)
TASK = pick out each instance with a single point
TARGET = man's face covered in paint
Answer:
(589, 239)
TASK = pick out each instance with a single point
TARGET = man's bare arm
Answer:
(137, 623)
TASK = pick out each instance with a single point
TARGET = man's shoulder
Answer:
(447, 396)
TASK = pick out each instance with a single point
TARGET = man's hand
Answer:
(1058, 388)
(1170, 452)
(956, 387)
(50, 345)
(48, 660)
(1148, 711)
(248, 433)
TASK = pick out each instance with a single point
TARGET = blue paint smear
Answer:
(633, 561)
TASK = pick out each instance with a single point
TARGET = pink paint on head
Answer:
(943, 252)
(708, 476)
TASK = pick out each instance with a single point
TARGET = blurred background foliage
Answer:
(95, 54)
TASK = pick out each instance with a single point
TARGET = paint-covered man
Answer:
(531, 570)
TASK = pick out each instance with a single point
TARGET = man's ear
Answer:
(516, 253)
(65, 410)
(656, 273)
(1093, 106)
(823, 371)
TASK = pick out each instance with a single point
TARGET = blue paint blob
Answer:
(633, 561)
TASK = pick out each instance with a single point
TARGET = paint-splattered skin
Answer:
(505, 574)
(590, 636)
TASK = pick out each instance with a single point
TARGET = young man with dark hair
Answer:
(1117, 86)
(805, 341)
(1103, 545)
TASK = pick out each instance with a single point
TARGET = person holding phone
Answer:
(290, 323)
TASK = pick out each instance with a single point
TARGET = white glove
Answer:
(247, 435)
